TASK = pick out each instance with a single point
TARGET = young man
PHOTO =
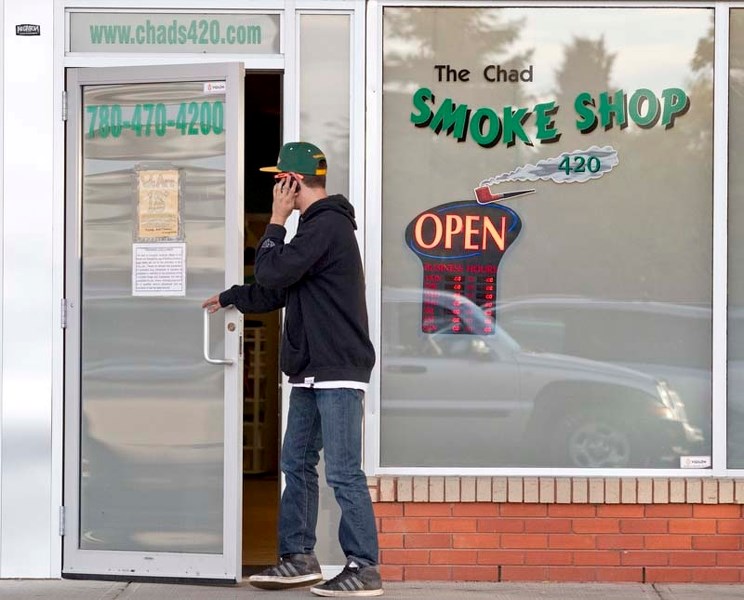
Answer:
(327, 355)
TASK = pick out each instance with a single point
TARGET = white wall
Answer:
(30, 310)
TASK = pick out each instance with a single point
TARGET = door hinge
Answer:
(63, 313)
(62, 521)
(64, 105)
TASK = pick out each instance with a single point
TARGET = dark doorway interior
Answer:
(261, 394)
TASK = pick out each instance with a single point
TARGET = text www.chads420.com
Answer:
(196, 31)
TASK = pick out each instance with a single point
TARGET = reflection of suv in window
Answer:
(668, 341)
(483, 401)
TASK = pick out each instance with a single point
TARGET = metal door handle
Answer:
(213, 361)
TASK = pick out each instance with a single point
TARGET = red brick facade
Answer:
(629, 538)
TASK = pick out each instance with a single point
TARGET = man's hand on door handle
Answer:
(212, 304)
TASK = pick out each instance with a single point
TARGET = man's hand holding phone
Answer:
(285, 193)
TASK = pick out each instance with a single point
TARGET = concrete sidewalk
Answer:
(100, 590)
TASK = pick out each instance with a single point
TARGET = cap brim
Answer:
(271, 170)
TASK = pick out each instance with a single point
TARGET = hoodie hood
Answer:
(337, 203)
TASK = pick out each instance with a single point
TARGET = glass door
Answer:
(153, 385)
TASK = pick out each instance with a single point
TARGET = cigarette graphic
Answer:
(484, 196)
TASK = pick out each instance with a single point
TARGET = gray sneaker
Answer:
(293, 570)
(354, 580)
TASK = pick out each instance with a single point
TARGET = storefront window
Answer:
(546, 244)
(325, 51)
(735, 419)
(325, 67)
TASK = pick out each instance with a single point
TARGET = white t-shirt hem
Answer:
(329, 385)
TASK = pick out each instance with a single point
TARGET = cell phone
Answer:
(289, 176)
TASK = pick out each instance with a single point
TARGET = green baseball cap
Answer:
(299, 157)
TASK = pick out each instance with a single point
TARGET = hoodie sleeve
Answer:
(253, 298)
(279, 265)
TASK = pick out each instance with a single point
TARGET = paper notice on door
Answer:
(159, 269)
(158, 206)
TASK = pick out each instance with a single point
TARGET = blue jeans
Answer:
(328, 419)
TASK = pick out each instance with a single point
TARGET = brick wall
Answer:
(560, 529)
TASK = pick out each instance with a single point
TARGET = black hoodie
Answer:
(318, 277)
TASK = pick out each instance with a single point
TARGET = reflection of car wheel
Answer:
(594, 441)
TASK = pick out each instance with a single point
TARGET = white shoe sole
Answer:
(269, 582)
(344, 593)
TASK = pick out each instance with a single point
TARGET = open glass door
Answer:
(153, 401)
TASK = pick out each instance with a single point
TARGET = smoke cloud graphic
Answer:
(594, 163)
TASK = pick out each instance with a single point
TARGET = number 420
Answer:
(578, 163)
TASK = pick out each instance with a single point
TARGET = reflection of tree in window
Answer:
(587, 67)
(674, 174)
(653, 212)
(410, 47)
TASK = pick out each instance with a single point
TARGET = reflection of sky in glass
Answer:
(645, 43)
(324, 117)
(635, 35)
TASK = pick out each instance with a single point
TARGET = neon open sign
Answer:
(460, 245)
(471, 232)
